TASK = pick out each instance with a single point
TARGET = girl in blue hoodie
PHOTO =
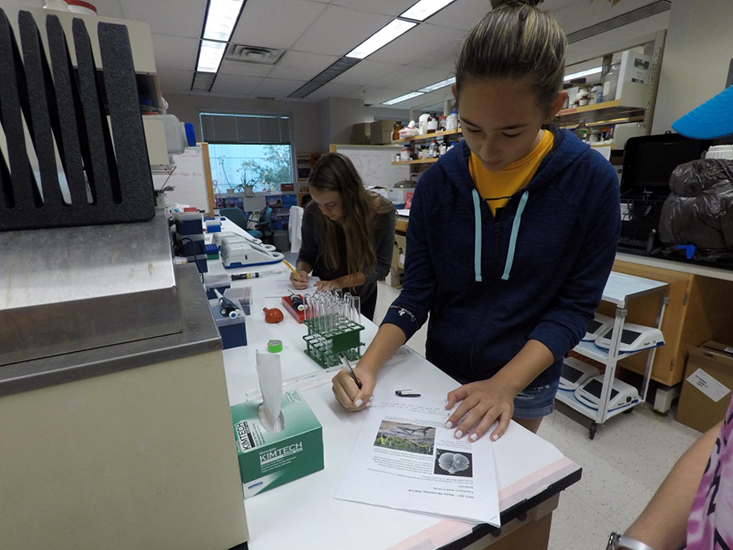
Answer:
(511, 239)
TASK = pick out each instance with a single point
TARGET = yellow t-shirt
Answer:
(499, 186)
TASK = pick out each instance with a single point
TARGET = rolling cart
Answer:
(598, 393)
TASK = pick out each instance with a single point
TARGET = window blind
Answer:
(247, 129)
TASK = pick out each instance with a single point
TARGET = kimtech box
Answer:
(268, 460)
(706, 389)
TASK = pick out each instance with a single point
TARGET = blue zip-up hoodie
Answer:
(537, 271)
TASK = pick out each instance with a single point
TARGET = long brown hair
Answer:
(336, 172)
(516, 40)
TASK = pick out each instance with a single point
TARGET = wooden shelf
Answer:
(629, 108)
(422, 161)
(429, 136)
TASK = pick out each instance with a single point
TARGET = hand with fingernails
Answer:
(481, 404)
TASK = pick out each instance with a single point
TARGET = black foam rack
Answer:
(76, 151)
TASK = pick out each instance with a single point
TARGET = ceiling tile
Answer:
(420, 79)
(236, 86)
(580, 15)
(366, 72)
(175, 52)
(375, 96)
(332, 89)
(174, 82)
(445, 59)
(277, 88)
(295, 65)
(385, 7)
(418, 42)
(163, 16)
(275, 23)
(339, 30)
(462, 14)
(240, 68)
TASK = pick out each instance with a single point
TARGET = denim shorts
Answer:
(535, 402)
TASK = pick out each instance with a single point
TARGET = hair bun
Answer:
(496, 3)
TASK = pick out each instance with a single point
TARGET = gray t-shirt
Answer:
(313, 248)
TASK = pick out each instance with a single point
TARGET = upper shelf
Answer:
(631, 105)
(429, 136)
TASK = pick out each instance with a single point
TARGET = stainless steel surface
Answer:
(77, 288)
(198, 335)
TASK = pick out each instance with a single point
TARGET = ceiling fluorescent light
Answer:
(424, 9)
(221, 18)
(388, 33)
(438, 85)
(583, 73)
(402, 98)
(210, 55)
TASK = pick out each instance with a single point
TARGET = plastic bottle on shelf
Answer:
(452, 144)
(582, 131)
(432, 124)
(442, 123)
(405, 153)
(451, 121)
(610, 82)
(433, 149)
(442, 149)
(396, 130)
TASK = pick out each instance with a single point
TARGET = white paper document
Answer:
(405, 458)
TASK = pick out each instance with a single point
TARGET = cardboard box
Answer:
(381, 132)
(397, 271)
(706, 389)
(268, 460)
(360, 133)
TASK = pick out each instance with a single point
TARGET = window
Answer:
(248, 153)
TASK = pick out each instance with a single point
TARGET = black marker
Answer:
(406, 393)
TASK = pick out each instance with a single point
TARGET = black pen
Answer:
(347, 365)
(406, 393)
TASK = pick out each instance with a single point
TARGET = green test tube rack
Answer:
(325, 341)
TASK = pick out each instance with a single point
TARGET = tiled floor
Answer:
(622, 467)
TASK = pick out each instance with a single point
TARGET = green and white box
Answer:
(268, 460)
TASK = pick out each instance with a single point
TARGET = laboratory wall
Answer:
(697, 55)
(338, 115)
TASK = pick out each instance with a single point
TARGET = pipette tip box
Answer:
(268, 460)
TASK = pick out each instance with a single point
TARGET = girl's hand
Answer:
(348, 393)
(482, 404)
(322, 286)
(300, 281)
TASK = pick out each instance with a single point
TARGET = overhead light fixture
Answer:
(583, 73)
(424, 9)
(402, 98)
(202, 82)
(210, 56)
(221, 18)
(328, 74)
(384, 36)
(438, 85)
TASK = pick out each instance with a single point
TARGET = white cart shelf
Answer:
(619, 291)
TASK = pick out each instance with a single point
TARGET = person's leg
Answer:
(369, 305)
(533, 404)
(532, 424)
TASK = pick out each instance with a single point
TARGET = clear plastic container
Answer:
(610, 82)
(241, 295)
